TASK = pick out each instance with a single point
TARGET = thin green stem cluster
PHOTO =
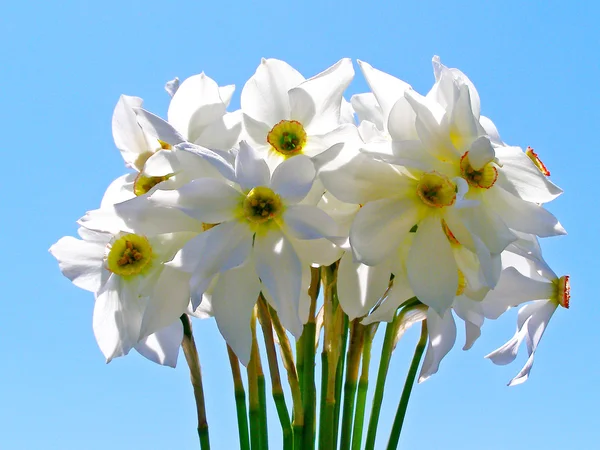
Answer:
(346, 348)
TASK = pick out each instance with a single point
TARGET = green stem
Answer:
(262, 397)
(354, 352)
(276, 388)
(363, 386)
(191, 356)
(308, 340)
(408, 384)
(288, 362)
(384, 364)
(240, 400)
(256, 438)
(324, 429)
(338, 380)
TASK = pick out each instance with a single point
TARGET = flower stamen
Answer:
(262, 205)
(143, 184)
(129, 255)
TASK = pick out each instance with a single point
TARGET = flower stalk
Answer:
(191, 356)
(363, 386)
(350, 386)
(308, 340)
(240, 400)
(277, 390)
(287, 357)
(406, 391)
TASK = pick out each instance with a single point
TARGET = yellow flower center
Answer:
(262, 205)
(563, 291)
(287, 137)
(143, 184)
(482, 178)
(533, 156)
(436, 190)
(129, 255)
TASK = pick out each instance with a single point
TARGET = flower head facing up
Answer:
(436, 190)
(129, 255)
(288, 138)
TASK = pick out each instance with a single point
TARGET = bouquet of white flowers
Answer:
(288, 212)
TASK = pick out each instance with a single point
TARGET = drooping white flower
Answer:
(545, 290)
(136, 294)
(250, 245)
(286, 115)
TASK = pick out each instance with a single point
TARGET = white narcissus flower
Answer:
(546, 291)
(285, 115)
(250, 245)
(126, 272)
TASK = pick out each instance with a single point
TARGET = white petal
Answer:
(157, 127)
(208, 200)
(222, 134)
(520, 176)
(488, 225)
(401, 123)
(265, 95)
(398, 294)
(280, 271)
(471, 312)
(168, 301)
(250, 169)
(323, 93)
(491, 130)
(431, 267)
(360, 286)
(172, 86)
(233, 300)
(379, 227)
(196, 104)
(309, 222)
(431, 128)
(216, 250)
(218, 160)
(82, 262)
(293, 178)
(117, 319)
(129, 137)
(442, 335)
(361, 179)
(463, 122)
(163, 346)
(524, 216)
(149, 218)
(535, 330)
(367, 108)
(119, 190)
(386, 88)
(481, 153)
(513, 289)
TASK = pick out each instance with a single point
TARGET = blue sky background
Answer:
(64, 65)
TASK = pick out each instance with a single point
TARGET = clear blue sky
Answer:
(64, 65)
